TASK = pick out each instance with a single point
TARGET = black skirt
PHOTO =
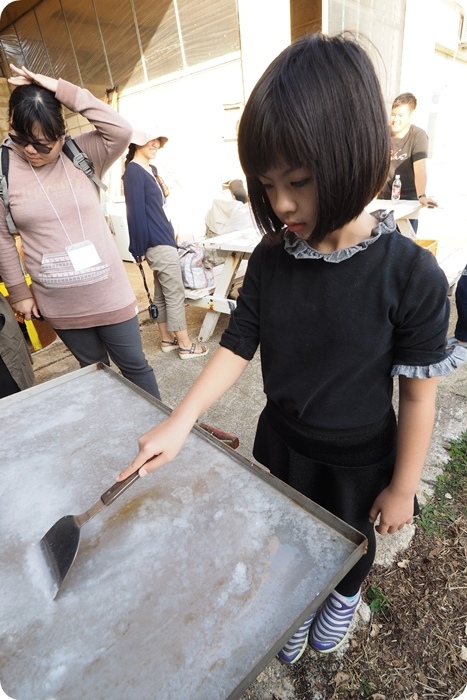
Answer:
(342, 471)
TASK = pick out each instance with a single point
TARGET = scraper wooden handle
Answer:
(118, 488)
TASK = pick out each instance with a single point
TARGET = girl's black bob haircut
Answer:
(317, 106)
(33, 106)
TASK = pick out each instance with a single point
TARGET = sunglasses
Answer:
(39, 147)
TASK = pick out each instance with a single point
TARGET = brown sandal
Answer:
(169, 345)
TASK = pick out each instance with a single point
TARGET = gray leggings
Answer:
(119, 341)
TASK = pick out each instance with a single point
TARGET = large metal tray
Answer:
(183, 588)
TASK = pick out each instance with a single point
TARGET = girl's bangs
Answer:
(269, 142)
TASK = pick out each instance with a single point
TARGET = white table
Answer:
(238, 245)
(452, 261)
(235, 247)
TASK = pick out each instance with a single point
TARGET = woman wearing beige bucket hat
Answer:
(152, 237)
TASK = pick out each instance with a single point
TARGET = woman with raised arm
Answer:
(79, 283)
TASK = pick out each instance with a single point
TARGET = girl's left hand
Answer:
(26, 77)
(395, 511)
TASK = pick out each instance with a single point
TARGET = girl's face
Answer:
(149, 150)
(40, 151)
(292, 195)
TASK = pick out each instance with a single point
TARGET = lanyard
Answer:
(52, 205)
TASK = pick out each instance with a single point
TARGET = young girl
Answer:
(152, 237)
(340, 303)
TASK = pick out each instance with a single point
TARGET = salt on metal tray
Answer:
(185, 587)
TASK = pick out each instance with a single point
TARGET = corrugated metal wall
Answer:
(99, 44)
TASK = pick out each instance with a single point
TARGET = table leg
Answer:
(405, 227)
(223, 286)
(208, 326)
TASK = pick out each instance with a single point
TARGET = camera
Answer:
(153, 311)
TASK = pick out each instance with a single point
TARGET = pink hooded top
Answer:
(55, 206)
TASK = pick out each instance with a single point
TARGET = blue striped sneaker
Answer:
(296, 645)
(331, 627)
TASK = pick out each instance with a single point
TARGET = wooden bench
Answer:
(196, 294)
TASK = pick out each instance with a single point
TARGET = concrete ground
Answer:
(237, 413)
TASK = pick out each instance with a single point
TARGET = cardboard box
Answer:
(428, 243)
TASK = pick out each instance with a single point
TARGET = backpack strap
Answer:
(4, 165)
(70, 148)
(81, 161)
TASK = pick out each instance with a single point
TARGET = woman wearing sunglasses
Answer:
(79, 283)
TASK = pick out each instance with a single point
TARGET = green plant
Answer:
(366, 688)
(379, 601)
(442, 509)
(454, 471)
(429, 519)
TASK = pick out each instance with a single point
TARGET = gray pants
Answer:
(169, 292)
(119, 341)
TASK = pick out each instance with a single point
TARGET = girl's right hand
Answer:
(26, 77)
(162, 443)
(157, 447)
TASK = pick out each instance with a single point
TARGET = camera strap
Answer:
(141, 269)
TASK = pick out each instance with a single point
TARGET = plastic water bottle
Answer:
(396, 189)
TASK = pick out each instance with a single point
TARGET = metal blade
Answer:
(59, 547)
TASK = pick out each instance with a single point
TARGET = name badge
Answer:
(83, 255)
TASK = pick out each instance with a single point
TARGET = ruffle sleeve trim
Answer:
(455, 358)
